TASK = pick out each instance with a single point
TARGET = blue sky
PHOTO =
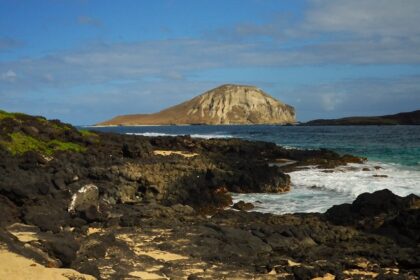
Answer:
(85, 61)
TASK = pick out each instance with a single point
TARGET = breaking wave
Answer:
(204, 136)
(316, 190)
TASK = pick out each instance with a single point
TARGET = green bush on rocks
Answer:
(4, 115)
(21, 143)
(87, 133)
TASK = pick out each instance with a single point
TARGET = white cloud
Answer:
(355, 97)
(339, 32)
(178, 59)
(365, 17)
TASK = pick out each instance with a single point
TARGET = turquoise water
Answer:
(396, 144)
(395, 149)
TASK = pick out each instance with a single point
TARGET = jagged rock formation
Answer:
(227, 104)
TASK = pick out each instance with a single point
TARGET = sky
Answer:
(85, 61)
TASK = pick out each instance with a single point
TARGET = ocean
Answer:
(393, 154)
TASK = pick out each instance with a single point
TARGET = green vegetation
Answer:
(41, 119)
(59, 126)
(55, 124)
(87, 133)
(57, 145)
(4, 115)
(92, 136)
(21, 143)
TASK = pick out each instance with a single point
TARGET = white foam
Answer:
(316, 191)
(298, 200)
(352, 180)
(156, 134)
(287, 147)
(150, 134)
(210, 136)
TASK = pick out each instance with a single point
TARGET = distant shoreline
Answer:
(406, 118)
(215, 125)
(166, 125)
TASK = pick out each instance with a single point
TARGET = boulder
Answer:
(63, 246)
(84, 199)
(136, 150)
(48, 215)
(381, 210)
(243, 206)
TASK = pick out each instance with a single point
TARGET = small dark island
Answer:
(406, 118)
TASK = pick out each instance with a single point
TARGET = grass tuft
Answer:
(57, 145)
(87, 133)
(21, 143)
(5, 115)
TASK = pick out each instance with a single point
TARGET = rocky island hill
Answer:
(78, 204)
(227, 104)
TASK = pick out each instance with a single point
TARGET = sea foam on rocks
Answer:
(316, 190)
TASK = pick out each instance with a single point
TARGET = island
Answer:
(226, 104)
(406, 118)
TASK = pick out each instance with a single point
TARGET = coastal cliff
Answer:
(227, 104)
(123, 207)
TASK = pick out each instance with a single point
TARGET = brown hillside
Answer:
(227, 104)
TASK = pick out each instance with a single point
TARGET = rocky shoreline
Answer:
(130, 207)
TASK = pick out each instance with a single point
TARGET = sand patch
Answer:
(154, 268)
(358, 272)
(327, 276)
(125, 237)
(25, 233)
(283, 275)
(140, 248)
(147, 275)
(392, 270)
(159, 255)
(16, 267)
(93, 230)
(292, 263)
(168, 153)
(193, 270)
(26, 236)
